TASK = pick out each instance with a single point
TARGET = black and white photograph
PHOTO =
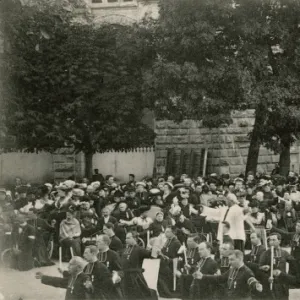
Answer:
(149, 149)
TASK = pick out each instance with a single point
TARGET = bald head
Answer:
(232, 199)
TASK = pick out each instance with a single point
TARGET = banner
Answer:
(151, 267)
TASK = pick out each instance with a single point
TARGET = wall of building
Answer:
(44, 167)
(30, 167)
(119, 164)
(227, 146)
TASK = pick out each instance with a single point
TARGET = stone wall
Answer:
(227, 146)
(123, 12)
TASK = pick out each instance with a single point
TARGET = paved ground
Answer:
(15, 285)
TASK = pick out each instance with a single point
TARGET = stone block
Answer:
(241, 139)
(223, 130)
(163, 140)
(173, 125)
(180, 139)
(215, 139)
(177, 131)
(244, 145)
(275, 159)
(248, 113)
(223, 153)
(232, 152)
(186, 124)
(195, 131)
(161, 124)
(196, 139)
(215, 161)
(243, 123)
(228, 139)
(236, 169)
(205, 131)
(162, 132)
(233, 130)
(223, 162)
(236, 161)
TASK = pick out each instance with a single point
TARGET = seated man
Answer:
(74, 281)
(69, 233)
(23, 239)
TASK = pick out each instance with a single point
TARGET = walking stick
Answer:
(72, 253)
(184, 253)
(272, 268)
(148, 239)
(60, 257)
(175, 263)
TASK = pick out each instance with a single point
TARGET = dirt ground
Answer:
(16, 285)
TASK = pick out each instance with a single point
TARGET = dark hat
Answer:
(253, 203)
(118, 193)
(22, 189)
(225, 176)
(144, 208)
(131, 189)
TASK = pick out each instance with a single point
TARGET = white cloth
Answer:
(235, 218)
(144, 223)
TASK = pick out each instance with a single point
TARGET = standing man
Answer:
(189, 267)
(280, 289)
(116, 244)
(234, 215)
(99, 280)
(223, 262)
(112, 261)
(167, 254)
(294, 237)
(240, 279)
(201, 289)
(257, 250)
(23, 239)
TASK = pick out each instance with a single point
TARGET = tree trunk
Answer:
(285, 160)
(254, 147)
(88, 165)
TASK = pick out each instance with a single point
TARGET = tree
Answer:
(72, 83)
(213, 56)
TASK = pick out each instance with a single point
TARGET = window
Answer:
(112, 1)
(96, 1)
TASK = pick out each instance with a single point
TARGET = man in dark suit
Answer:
(23, 239)
(100, 280)
(253, 258)
(116, 244)
(240, 279)
(106, 218)
(74, 280)
(167, 254)
(201, 289)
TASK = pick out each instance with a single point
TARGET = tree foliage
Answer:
(71, 82)
(213, 56)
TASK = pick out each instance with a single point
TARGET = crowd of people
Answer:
(216, 236)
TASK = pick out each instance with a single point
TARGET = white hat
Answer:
(141, 183)
(78, 193)
(70, 183)
(49, 185)
(95, 184)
